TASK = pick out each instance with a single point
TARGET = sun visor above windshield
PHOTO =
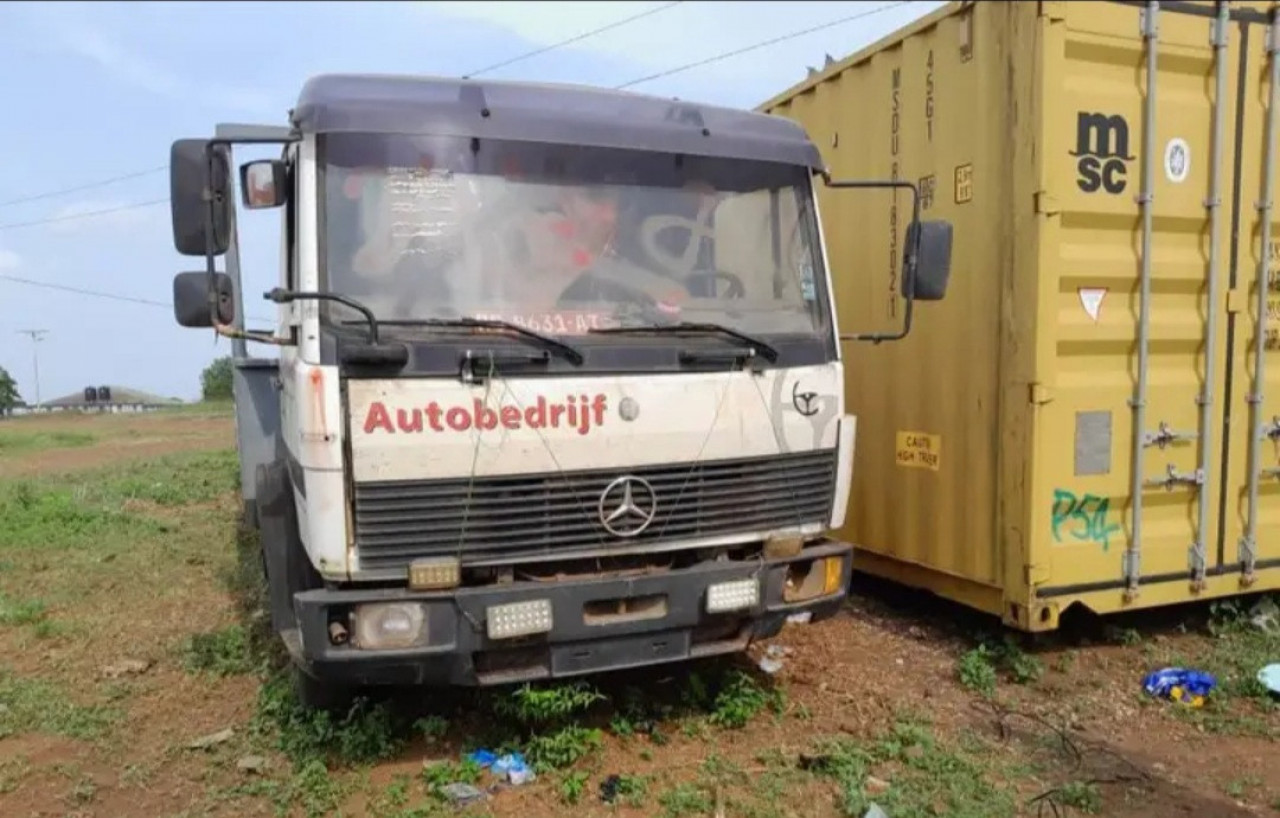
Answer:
(562, 114)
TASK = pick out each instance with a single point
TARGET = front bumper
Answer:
(458, 651)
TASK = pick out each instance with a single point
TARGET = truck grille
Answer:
(531, 515)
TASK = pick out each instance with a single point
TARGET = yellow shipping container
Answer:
(1104, 306)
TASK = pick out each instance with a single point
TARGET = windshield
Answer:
(566, 239)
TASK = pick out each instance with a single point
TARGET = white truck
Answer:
(558, 387)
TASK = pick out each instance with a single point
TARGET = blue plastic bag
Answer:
(485, 758)
(1182, 685)
(513, 766)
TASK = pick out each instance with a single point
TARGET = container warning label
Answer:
(1091, 300)
(917, 450)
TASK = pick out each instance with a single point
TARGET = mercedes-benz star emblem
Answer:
(627, 506)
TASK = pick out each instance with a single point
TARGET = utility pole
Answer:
(37, 335)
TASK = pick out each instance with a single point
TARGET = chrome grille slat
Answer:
(528, 515)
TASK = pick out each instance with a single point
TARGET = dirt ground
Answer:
(89, 736)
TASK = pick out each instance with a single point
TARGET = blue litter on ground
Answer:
(1182, 685)
(510, 766)
(484, 758)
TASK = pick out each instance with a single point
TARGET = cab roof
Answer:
(559, 113)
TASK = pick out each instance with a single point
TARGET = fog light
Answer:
(389, 625)
(445, 572)
(518, 619)
(733, 596)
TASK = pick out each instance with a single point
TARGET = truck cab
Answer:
(558, 384)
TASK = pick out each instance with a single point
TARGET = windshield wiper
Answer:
(546, 342)
(766, 351)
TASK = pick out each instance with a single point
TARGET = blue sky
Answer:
(100, 90)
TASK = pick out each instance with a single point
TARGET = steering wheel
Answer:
(736, 288)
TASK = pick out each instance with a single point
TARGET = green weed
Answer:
(931, 775)
(541, 705)
(572, 786)
(443, 773)
(21, 612)
(741, 699)
(562, 748)
(980, 668)
(1081, 795)
(314, 789)
(977, 671)
(224, 652)
(32, 705)
(632, 789)
(432, 728)
(365, 733)
(685, 799)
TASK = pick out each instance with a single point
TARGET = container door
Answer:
(1248, 546)
(1139, 201)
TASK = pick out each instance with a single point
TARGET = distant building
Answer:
(106, 398)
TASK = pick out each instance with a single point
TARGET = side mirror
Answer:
(192, 190)
(191, 299)
(932, 241)
(263, 183)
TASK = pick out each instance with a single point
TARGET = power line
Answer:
(572, 40)
(99, 294)
(765, 43)
(87, 186)
(85, 215)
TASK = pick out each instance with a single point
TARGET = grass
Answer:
(39, 706)
(224, 652)
(931, 776)
(980, 668)
(15, 441)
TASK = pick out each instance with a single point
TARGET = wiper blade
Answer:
(547, 342)
(765, 350)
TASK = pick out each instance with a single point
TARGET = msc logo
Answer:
(1102, 145)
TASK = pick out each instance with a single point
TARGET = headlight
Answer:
(389, 625)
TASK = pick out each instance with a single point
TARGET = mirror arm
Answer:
(283, 296)
(911, 253)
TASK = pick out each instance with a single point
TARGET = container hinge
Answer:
(1047, 204)
(1165, 436)
(1173, 477)
(1248, 557)
(1198, 565)
(1039, 394)
(1131, 565)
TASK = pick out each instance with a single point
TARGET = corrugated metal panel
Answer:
(997, 441)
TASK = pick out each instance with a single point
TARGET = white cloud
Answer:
(9, 260)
